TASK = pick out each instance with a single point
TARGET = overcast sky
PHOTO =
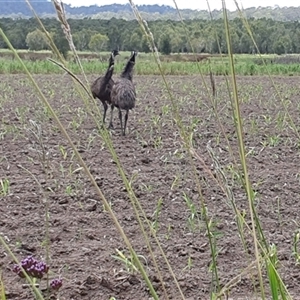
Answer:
(194, 4)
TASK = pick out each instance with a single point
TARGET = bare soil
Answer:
(44, 175)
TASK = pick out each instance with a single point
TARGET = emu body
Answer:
(101, 88)
(123, 94)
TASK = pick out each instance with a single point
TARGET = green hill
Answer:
(44, 8)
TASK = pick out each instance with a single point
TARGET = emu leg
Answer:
(111, 126)
(104, 113)
(120, 117)
(126, 118)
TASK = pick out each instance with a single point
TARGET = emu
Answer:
(123, 92)
(102, 86)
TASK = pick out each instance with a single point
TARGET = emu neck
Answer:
(111, 62)
(109, 72)
(127, 73)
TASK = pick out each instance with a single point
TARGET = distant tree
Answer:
(176, 44)
(61, 43)
(198, 45)
(270, 36)
(145, 45)
(82, 38)
(114, 34)
(17, 38)
(98, 42)
(295, 37)
(235, 41)
(165, 45)
(245, 44)
(282, 45)
(136, 41)
(37, 40)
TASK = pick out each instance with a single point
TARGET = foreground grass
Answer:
(229, 179)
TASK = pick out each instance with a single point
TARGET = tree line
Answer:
(170, 36)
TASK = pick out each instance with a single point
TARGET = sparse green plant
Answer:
(4, 185)
(175, 182)
(274, 140)
(267, 119)
(146, 187)
(156, 120)
(156, 214)
(193, 219)
(75, 123)
(194, 123)
(253, 126)
(3, 133)
(169, 229)
(69, 190)
(91, 139)
(128, 261)
(157, 142)
(251, 152)
(2, 289)
(296, 240)
(280, 220)
(165, 109)
(20, 113)
(189, 264)
(277, 288)
(63, 151)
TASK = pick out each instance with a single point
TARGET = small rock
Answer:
(92, 207)
(63, 201)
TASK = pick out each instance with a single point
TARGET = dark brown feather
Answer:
(123, 94)
(101, 88)
(128, 70)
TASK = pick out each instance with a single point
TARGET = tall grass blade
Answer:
(239, 128)
(2, 289)
(273, 281)
(187, 144)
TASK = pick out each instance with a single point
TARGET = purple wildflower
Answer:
(56, 284)
(32, 267)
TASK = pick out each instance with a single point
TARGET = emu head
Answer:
(133, 55)
(113, 54)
